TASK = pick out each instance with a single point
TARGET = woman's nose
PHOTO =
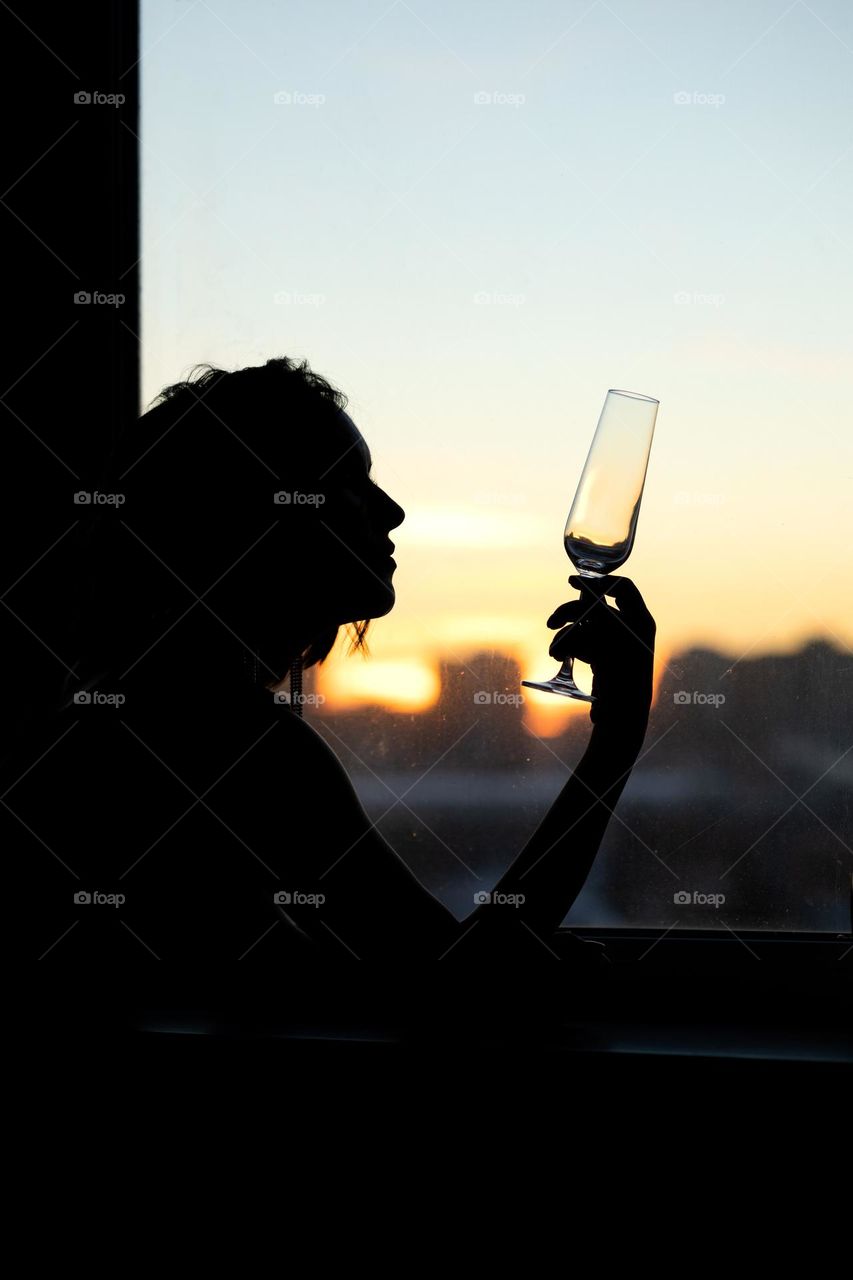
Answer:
(393, 514)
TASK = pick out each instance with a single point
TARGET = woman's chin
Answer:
(374, 603)
(381, 601)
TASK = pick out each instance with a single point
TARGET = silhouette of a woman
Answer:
(245, 532)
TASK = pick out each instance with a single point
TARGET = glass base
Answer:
(566, 688)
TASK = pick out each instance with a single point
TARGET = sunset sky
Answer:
(475, 219)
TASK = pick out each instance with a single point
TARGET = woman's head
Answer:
(246, 501)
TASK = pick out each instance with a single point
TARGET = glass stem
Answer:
(566, 673)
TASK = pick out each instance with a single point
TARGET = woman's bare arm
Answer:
(543, 882)
(375, 907)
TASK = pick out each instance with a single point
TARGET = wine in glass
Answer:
(602, 522)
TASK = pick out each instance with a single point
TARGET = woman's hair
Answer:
(188, 493)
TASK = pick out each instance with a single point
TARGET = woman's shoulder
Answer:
(313, 759)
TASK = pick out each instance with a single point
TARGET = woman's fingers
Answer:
(576, 610)
(556, 649)
(572, 642)
(571, 611)
(596, 632)
(624, 591)
(594, 587)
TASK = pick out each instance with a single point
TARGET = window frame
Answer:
(107, 235)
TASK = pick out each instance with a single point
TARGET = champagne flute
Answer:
(602, 522)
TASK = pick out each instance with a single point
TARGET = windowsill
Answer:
(710, 1000)
(718, 949)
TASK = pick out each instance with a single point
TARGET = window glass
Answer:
(475, 220)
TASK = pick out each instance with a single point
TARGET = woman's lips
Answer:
(379, 558)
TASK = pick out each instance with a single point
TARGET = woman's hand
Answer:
(618, 644)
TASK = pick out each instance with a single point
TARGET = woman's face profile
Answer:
(354, 518)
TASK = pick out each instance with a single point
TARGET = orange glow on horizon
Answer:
(413, 686)
(405, 685)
